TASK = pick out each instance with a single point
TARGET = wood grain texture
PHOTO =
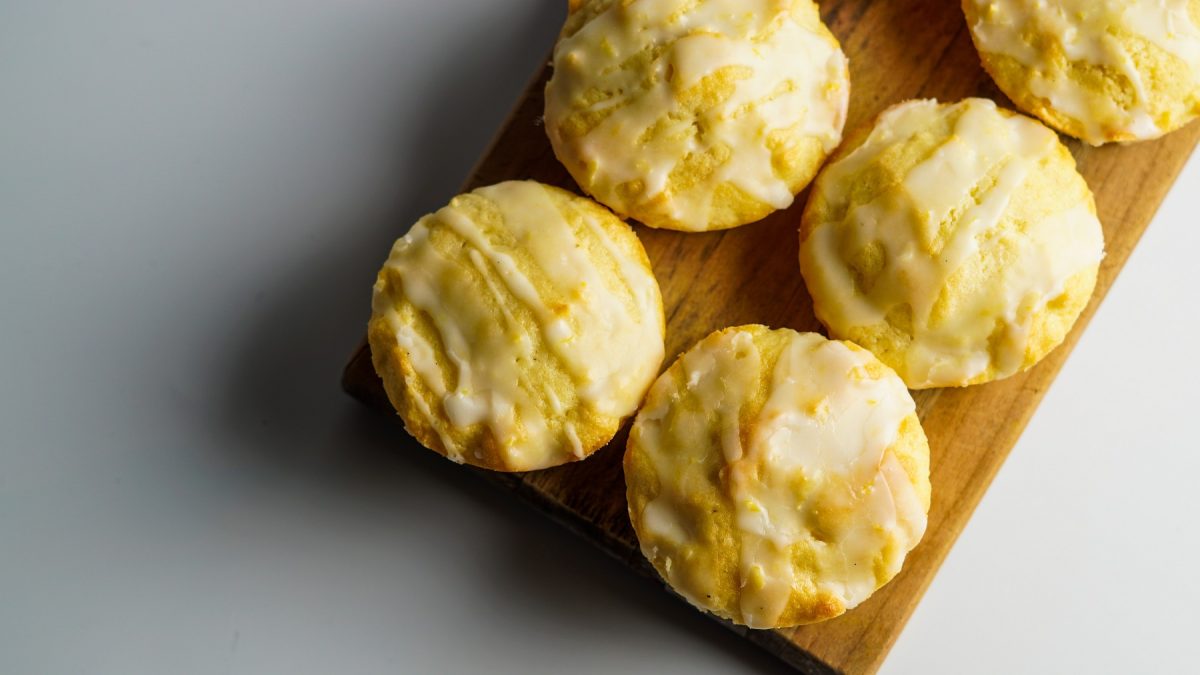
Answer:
(898, 50)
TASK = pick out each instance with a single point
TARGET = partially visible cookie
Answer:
(515, 328)
(957, 242)
(695, 114)
(1099, 70)
(776, 478)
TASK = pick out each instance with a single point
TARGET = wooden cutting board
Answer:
(898, 49)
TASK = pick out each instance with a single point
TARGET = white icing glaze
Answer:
(826, 425)
(1087, 31)
(676, 439)
(660, 519)
(970, 180)
(573, 437)
(606, 337)
(793, 78)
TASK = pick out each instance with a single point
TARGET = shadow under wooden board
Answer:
(898, 50)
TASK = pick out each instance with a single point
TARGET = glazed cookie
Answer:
(1099, 70)
(777, 478)
(515, 328)
(695, 114)
(957, 242)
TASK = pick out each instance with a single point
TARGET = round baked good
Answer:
(777, 478)
(957, 242)
(1099, 70)
(517, 327)
(695, 114)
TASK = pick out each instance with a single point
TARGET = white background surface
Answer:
(194, 198)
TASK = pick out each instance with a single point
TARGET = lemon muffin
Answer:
(957, 242)
(777, 478)
(517, 327)
(1099, 70)
(695, 114)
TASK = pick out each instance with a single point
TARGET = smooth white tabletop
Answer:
(194, 199)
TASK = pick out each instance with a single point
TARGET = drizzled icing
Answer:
(788, 78)
(1100, 33)
(540, 295)
(809, 476)
(966, 184)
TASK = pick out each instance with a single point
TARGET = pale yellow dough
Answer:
(777, 478)
(517, 327)
(1099, 70)
(957, 242)
(696, 114)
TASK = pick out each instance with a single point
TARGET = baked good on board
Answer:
(695, 114)
(957, 242)
(777, 478)
(517, 327)
(1099, 70)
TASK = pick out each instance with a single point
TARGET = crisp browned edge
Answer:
(360, 381)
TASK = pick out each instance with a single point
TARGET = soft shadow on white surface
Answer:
(195, 201)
